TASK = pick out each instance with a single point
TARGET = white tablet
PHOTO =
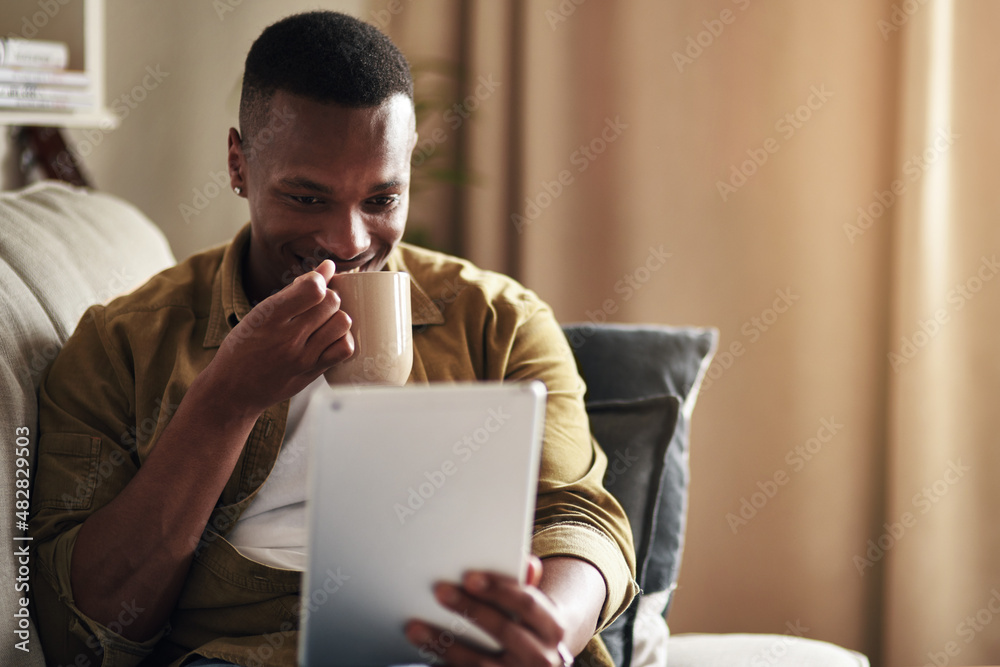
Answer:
(410, 486)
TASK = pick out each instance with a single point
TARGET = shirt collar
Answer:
(423, 310)
(230, 303)
(229, 300)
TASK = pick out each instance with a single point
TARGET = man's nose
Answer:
(346, 236)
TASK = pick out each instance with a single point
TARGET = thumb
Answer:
(326, 269)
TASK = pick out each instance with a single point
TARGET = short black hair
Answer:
(323, 56)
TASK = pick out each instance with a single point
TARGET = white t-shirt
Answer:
(272, 530)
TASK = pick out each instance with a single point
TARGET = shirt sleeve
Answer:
(575, 515)
(86, 456)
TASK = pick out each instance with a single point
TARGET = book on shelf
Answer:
(33, 77)
(30, 91)
(53, 77)
(16, 52)
(42, 105)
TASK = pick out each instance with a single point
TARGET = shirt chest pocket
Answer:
(69, 470)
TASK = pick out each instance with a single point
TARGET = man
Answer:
(140, 531)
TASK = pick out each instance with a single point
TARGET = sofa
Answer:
(64, 248)
(61, 249)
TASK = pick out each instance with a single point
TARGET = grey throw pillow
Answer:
(635, 436)
(629, 371)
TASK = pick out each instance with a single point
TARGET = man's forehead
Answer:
(312, 126)
(325, 146)
(288, 107)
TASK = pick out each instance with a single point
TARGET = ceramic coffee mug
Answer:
(378, 303)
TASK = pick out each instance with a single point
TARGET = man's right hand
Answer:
(284, 343)
(140, 546)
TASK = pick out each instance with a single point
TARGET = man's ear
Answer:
(236, 163)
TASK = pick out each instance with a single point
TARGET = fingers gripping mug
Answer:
(378, 303)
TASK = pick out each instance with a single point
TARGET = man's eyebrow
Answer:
(303, 183)
(300, 182)
(389, 185)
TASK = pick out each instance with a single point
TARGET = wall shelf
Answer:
(79, 23)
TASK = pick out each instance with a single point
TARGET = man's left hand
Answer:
(527, 624)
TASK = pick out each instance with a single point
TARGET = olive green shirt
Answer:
(120, 377)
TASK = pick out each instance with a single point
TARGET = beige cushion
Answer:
(739, 650)
(61, 250)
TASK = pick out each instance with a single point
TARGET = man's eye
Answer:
(384, 200)
(307, 201)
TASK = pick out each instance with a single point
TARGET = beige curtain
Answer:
(817, 180)
(943, 579)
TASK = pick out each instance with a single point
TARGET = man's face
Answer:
(325, 182)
